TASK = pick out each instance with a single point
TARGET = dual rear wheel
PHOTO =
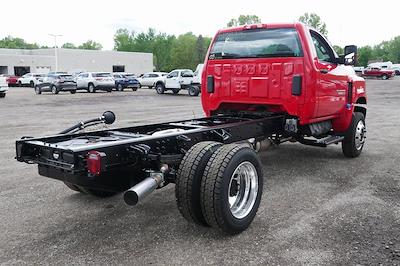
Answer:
(220, 186)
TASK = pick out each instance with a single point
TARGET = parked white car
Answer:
(150, 79)
(178, 79)
(92, 81)
(3, 87)
(30, 79)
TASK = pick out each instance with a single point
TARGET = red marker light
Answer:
(94, 162)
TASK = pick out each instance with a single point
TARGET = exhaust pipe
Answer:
(144, 188)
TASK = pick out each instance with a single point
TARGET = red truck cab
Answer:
(282, 68)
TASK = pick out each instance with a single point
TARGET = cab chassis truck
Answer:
(281, 82)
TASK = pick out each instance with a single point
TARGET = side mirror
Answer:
(350, 55)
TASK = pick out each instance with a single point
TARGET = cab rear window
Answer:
(257, 43)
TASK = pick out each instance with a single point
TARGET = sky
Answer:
(348, 22)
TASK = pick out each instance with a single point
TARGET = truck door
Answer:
(172, 80)
(331, 87)
(376, 72)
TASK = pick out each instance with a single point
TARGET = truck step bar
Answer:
(324, 142)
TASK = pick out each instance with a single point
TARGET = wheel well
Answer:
(359, 108)
(160, 83)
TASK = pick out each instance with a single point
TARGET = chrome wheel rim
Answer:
(360, 135)
(243, 190)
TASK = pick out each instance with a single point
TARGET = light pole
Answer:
(55, 48)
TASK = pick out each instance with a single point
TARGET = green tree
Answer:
(365, 54)
(338, 49)
(162, 51)
(244, 20)
(90, 45)
(17, 43)
(69, 45)
(394, 50)
(124, 40)
(313, 20)
(183, 54)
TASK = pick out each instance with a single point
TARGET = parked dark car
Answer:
(55, 83)
(124, 80)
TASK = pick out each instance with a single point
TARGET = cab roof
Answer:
(263, 26)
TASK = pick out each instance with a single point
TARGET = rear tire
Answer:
(120, 87)
(31, 84)
(2, 95)
(134, 89)
(160, 88)
(188, 180)
(385, 77)
(231, 188)
(193, 91)
(354, 139)
(73, 91)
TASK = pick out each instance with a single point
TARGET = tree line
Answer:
(187, 50)
(19, 43)
(169, 51)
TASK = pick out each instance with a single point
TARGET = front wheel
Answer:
(231, 188)
(385, 77)
(73, 91)
(160, 89)
(54, 90)
(91, 88)
(2, 95)
(120, 87)
(354, 139)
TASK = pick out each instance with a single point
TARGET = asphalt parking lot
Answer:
(318, 207)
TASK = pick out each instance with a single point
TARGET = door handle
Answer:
(324, 71)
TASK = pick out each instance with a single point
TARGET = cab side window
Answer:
(324, 51)
(173, 74)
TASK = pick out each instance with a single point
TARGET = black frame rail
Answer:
(150, 144)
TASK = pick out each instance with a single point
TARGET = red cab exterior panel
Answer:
(307, 84)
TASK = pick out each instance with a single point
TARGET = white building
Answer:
(21, 61)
